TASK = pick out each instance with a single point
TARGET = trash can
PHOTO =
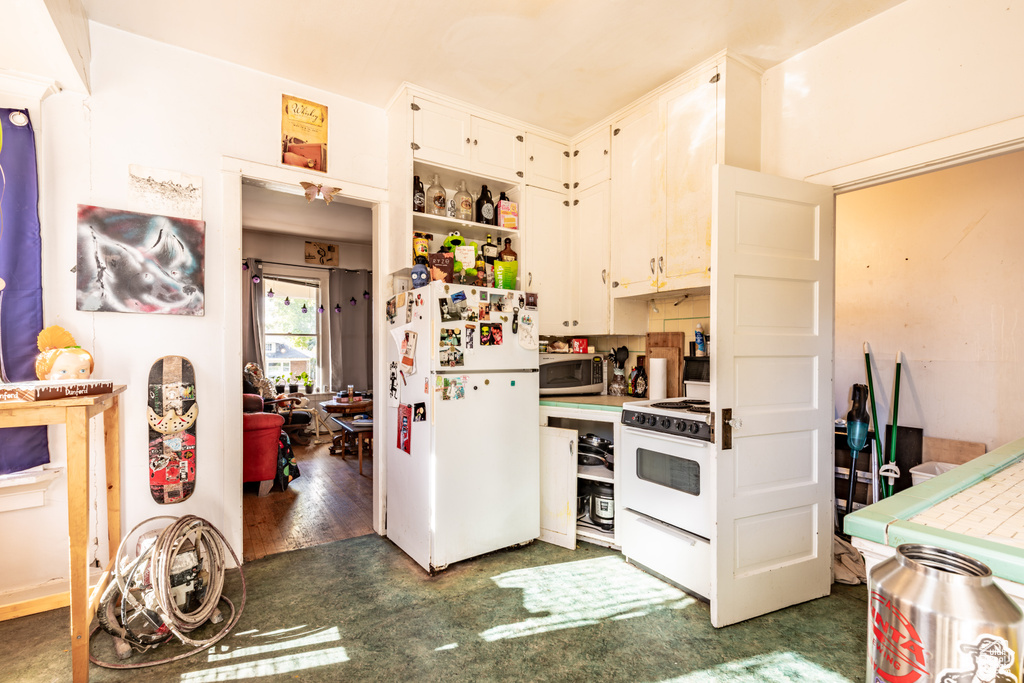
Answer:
(927, 470)
(937, 616)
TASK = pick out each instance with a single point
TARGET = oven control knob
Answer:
(665, 423)
(681, 426)
(694, 428)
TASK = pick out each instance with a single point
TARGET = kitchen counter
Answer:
(609, 403)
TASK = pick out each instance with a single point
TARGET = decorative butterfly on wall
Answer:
(311, 191)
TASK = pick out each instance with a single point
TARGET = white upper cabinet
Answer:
(637, 208)
(546, 219)
(547, 163)
(591, 159)
(453, 137)
(591, 254)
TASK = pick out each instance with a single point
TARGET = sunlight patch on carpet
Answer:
(776, 667)
(318, 637)
(269, 667)
(583, 593)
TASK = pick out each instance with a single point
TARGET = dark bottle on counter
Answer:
(640, 382)
(631, 382)
(418, 196)
(485, 207)
(507, 254)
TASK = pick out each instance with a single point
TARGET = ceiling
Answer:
(562, 65)
(271, 210)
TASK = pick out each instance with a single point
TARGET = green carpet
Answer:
(360, 610)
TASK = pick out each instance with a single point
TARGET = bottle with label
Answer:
(507, 254)
(640, 383)
(463, 203)
(436, 197)
(420, 245)
(484, 207)
(417, 194)
(698, 337)
(490, 254)
(631, 382)
(498, 211)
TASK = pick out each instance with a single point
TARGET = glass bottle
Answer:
(640, 383)
(436, 197)
(507, 254)
(463, 203)
(490, 254)
(484, 207)
(417, 194)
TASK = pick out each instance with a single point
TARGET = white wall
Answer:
(923, 71)
(167, 108)
(272, 246)
(931, 266)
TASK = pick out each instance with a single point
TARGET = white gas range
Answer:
(664, 504)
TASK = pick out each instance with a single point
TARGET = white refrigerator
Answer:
(463, 415)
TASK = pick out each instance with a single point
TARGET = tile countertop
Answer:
(611, 403)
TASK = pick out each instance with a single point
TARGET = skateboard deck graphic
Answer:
(171, 412)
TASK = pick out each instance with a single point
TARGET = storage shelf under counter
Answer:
(563, 419)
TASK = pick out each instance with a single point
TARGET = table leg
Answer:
(112, 454)
(359, 448)
(77, 424)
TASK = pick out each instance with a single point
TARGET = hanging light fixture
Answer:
(320, 308)
(304, 309)
(337, 308)
(245, 266)
(287, 302)
(366, 295)
(352, 301)
(270, 294)
(255, 279)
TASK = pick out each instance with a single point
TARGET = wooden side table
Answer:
(75, 414)
(361, 431)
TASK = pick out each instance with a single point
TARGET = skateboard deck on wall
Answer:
(171, 412)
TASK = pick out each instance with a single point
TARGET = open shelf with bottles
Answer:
(440, 226)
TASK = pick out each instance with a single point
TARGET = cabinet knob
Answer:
(467, 141)
(531, 157)
(606, 151)
(616, 131)
(565, 185)
(565, 323)
(519, 173)
(475, 142)
(576, 153)
(566, 202)
(575, 202)
(519, 138)
(615, 283)
(566, 152)
(575, 185)
(575, 323)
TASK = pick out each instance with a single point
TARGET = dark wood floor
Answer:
(330, 501)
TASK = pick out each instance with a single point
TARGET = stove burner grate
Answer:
(672, 405)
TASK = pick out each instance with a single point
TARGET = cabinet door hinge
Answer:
(715, 78)
(616, 131)
(566, 153)
(519, 138)
(414, 106)
(519, 173)
(414, 146)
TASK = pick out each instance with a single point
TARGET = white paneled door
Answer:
(772, 303)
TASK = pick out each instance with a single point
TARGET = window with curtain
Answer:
(292, 329)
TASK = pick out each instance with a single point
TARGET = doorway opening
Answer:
(315, 263)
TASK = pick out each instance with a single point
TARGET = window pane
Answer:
(290, 319)
(291, 355)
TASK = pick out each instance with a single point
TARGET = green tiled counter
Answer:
(609, 403)
(887, 522)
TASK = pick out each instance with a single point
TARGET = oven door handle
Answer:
(686, 536)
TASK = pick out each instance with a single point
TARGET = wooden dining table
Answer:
(341, 409)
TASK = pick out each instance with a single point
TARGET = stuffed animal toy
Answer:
(460, 246)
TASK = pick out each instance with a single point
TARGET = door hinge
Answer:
(715, 78)
(414, 106)
(566, 153)
(414, 146)
(519, 138)
(616, 131)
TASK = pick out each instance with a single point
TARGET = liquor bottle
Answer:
(463, 203)
(631, 382)
(417, 194)
(507, 254)
(484, 207)
(640, 383)
(436, 197)
(490, 254)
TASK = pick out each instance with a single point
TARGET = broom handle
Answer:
(895, 409)
(879, 442)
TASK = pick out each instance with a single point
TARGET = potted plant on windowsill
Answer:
(307, 383)
(293, 384)
(279, 384)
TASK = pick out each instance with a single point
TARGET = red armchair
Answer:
(260, 434)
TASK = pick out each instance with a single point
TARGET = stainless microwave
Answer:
(571, 373)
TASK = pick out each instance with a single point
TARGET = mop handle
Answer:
(895, 409)
(879, 442)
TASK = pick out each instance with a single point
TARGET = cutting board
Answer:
(950, 450)
(668, 345)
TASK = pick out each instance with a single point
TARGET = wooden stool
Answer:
(361, 432)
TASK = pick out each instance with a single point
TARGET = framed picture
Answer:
(303, 133)
(322, 253)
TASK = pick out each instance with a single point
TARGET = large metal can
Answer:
(937, 616)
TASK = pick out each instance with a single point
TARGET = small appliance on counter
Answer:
(697, 375)
(571, 374)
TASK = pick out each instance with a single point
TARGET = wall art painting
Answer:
(132, 262)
